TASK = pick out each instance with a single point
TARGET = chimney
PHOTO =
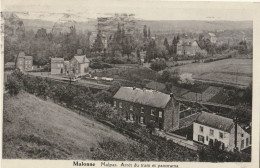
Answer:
(134, 88)
(171, 95)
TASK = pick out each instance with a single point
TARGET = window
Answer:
(247, 141)
(141, 120)
(142, 110)
(211, 132)
(131, 117)
(207, 138)
(114, 103)
(152, 111)
(201, 129)
(58, 65)
(160, 114)
(242, 135)
(61, 65)
(221, 135)
(242, 144)
(201, 138)
(120, 105)
(131, 108)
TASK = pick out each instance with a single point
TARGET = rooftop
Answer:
(82, 59)
(215, 121)
(57, 59)
(143, 96)
(212, 34)
(22, 55)
(156, 86)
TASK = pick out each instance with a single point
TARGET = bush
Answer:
(14, 85)
(96, 65)
(158, 65)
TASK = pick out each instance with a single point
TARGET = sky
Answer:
(143, 9)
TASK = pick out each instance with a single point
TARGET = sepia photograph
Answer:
(143, 81)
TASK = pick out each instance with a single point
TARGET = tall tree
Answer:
(98, 44)
(149, 33)
(145, 32)
(166, 44)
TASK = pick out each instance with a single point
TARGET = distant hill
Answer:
(194, 26)
(155, 26)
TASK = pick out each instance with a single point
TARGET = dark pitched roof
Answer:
(215, 121)
(156, 86)
(143, 96)
(10, 63)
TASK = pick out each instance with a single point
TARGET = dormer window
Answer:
(120, 105)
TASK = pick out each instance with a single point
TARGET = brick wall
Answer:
(137, 114)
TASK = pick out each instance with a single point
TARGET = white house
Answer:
(211, 127)
(79, 65)
(212, 38)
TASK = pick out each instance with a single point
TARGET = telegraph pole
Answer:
(235, 132)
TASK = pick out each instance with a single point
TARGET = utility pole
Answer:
(236, 79)
(235, 133)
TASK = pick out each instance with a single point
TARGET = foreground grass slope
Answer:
(34, 128)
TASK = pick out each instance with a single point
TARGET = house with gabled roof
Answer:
(209, 128)
(23, 62)
(143, 105)
(79, 65)
(189, 47)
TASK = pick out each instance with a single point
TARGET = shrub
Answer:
(96, 65)
(14, 85)
(158, 65)
(186, 78)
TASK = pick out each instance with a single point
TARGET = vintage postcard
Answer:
(145, 84)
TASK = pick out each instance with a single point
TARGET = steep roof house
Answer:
(79, 64)
(189, 47)
(143, 105)
(209, 128)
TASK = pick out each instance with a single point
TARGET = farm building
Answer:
(24, 63)
(142, 106)
(57, 65)
(209, 128)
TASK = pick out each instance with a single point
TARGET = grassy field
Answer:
(38, 129)
(221, 71)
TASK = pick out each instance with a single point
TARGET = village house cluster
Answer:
(144, 105)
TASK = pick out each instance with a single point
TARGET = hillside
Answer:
(171, 26)
(38, 129)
